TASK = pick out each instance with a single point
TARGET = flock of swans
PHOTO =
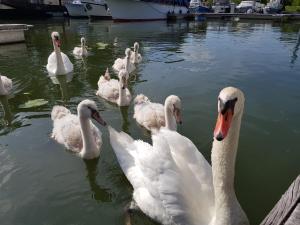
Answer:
(173, 183)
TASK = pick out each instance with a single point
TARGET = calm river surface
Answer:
(42, 183)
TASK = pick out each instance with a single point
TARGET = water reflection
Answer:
(7, 117)
(62, 81)
(12, 49)
(98, 193)
(295, 51)
(125, 121)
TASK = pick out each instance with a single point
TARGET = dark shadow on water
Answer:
(98, 193)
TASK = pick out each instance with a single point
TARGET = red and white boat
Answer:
(142, 10)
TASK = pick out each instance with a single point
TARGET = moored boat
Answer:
(143, 10)
(76, 9)
(97, 9)
(198, 6)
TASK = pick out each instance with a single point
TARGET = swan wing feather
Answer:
(195, 190)
(66, 131)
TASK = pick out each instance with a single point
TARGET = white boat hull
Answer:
(133, 10)
(12, 33)
(96, 10)
(76, 10)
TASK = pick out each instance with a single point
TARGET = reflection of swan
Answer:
(113, 90)
(78, 133)
(125, 63)
(136, 56)
(125, 123)
(174, 184)
(81, 51)
(62, 81)
(58, 62)
(154, 115)
(5, 85)
(7, 113)
(99, 194)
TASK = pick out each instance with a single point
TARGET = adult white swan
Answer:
(78, 133)
(136, 56)
(113, 90)
(172, 181)
(154, 115)
(124, 63)
(58, 62)
(82, 50)
(5, 85)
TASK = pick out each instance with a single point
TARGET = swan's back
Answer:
(78, 51)
(164, 188)
(149, 115)
(119, 64)
(108, 89)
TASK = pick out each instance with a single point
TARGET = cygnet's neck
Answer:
(82, 47)
(227, 207)
(122, 95)
(59, 60)
(127, 58)
(169, 118)
(89, 145)
(136, 52)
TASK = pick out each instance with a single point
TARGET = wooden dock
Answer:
(254, 16)
(287, 209)
(236, 16)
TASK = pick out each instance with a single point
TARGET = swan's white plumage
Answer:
(120, 63)
(67, 130)
(58, 62)
(5, 85)
(52, 67)
(148, 114)
(79, 51)
(109, 89)
(136, 56)
(82, 50)
(172, 181)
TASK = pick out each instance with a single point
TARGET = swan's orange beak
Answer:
(96, 116)
(223, 125)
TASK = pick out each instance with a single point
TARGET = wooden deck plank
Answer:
(287, 209)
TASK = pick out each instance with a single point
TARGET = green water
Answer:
(42, 183)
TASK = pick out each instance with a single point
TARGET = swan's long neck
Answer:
(89, 144)
(136, 52)
(82, 47)
(59, 60)
(169, 118)
(227, 207)
(127, 63)
(122, 95)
